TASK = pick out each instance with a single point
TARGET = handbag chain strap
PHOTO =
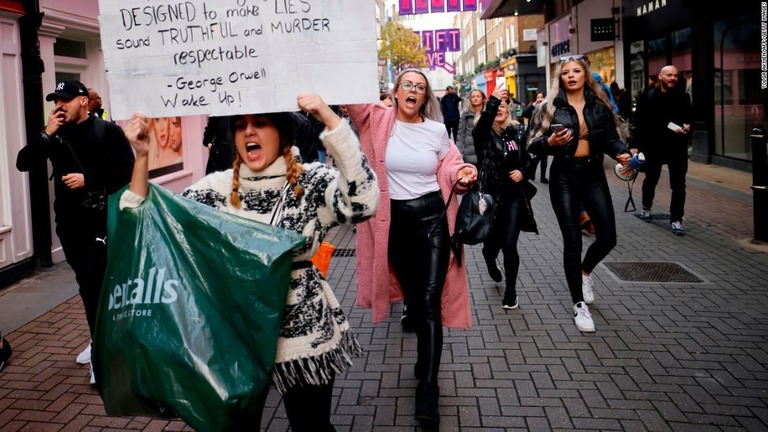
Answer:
(445, 210)
(277, 210)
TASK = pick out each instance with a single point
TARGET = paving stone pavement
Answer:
(665, 357)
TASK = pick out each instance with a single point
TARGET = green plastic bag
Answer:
(190, 312)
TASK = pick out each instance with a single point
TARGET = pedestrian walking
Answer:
(450, 108)
(316, 342)
(503, 164)
(576, 125)
(663, 127)
(409, 146)
(465, 141)
(528, 112)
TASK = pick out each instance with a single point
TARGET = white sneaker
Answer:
(646, 215)
(583, 318)
(586, 289)
(85, 356)
(677, 228)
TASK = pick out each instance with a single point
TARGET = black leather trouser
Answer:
(504, 236)
(575, 182)
(419, 250)
(308, 408)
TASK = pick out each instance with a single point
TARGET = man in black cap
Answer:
(91, 158)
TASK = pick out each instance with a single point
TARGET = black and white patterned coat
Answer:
(316, 341)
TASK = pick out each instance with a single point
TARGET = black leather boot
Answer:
(427, 401)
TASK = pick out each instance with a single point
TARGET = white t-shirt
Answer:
(413, 153)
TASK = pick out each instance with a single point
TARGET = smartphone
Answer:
(557, 127)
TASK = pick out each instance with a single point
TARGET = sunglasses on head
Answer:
(571, 57)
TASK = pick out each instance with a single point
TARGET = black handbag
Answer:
(473, 220)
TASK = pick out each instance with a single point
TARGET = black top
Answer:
(499, 154)
(450, 107)
(106, 162)
(603, 137)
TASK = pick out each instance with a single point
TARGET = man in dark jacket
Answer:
(218, 139)
(91, 159)
(662, 127)
(450, 107)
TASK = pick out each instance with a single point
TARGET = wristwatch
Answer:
(45, 136)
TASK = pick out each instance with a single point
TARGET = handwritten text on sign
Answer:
(226, 57)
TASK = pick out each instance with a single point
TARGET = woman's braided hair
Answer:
(284, 124)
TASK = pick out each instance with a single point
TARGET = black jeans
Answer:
(85, 249)
(677, 162)
(419, 250)
(453, 129)
(543, 163)
(575, 181)
(308, 408)
(504, 235)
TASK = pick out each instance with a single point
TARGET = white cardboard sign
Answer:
(224, 57)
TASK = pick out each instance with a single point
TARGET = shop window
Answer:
(69, 48)
(738, 107)
(67, 76)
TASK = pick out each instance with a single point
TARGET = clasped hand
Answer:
(467, 176)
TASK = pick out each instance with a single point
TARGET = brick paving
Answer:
(665, 357)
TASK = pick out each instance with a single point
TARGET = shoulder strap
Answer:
(99, 129)
(277, 210)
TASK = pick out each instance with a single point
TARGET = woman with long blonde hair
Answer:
(405, 250)
(577, 126)
(464, 140)
(504, 162)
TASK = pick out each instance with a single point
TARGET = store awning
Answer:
(505, 8)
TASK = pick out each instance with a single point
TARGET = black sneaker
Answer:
(509, 303)
(493, 270)
(5, 352)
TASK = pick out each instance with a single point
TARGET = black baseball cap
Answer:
(68, 90)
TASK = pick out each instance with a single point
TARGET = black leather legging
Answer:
(580, 181)
(504, 234)
(419, 250)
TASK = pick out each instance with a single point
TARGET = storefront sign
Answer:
(229, 57)
(650, 6)
(410, 7)
(560, 38)
(560, 49)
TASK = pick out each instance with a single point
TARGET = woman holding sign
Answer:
(316, 342)
(418, 165)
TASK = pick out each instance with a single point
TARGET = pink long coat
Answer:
(377, 285)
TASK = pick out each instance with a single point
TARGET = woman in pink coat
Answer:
(404, 250)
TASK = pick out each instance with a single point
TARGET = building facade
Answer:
(65, 44)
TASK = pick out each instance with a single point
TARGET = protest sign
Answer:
(224, 57)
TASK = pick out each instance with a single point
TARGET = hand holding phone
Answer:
(557, 127)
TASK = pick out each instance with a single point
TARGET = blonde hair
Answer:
(544, 116)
